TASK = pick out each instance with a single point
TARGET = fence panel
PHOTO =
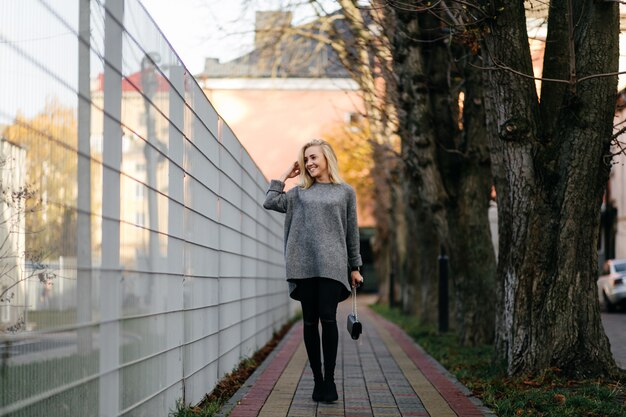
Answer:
(138, 264)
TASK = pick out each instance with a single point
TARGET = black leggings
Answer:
(319, 298)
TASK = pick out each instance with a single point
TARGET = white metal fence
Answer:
(137, 265)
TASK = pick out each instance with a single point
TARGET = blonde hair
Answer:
(331, 159)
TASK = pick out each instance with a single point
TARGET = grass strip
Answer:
(548, 394)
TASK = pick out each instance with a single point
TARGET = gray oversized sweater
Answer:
(321, 232)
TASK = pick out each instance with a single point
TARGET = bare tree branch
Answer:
(499, 67)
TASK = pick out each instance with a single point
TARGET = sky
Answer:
(198, 29)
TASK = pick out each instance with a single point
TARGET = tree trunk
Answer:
(451, 172)
(471, 248)
(419, 155)
(382, 208)
(463, 159)
(549, 190)
(421, 259)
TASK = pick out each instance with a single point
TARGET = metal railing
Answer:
(137, 265)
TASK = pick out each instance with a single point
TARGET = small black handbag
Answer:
(354, 325)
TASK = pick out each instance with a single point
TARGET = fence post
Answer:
(176, 251)
(443, 291)
(110, 277)
(84, 281)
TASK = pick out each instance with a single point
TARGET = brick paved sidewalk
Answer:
(384, 373)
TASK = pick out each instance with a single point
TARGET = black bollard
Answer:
(392, 288)
(443, 291)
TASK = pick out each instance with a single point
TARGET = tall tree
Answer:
(445, 151)
(548, 158)
(48, 138)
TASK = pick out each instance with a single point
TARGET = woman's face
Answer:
(315, 163)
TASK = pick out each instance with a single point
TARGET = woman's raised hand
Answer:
(292, 172)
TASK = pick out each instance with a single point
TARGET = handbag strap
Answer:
(354, 303)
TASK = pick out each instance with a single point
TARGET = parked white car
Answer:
(612, 284)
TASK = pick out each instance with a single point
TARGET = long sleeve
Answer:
(352, 237)
(276, 198)
(321, 233)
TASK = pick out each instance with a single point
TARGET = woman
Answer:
(321, 248)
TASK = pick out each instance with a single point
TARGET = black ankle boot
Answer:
(330, 391)
(318, 390)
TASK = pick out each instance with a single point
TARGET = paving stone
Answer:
(383, 374)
